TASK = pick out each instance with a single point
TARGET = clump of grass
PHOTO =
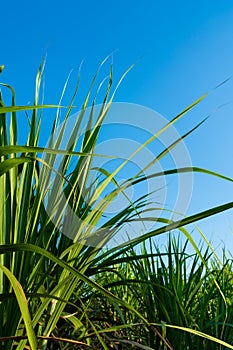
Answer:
(181, 294)
(55, 290)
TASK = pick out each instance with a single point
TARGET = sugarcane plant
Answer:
(48, 281)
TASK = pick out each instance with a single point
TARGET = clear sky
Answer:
(186, 49)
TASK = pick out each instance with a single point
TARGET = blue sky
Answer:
(185, 49)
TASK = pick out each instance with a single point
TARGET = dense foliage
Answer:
(56, 293)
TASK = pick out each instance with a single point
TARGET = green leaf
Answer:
(8, 164)
(10, 109)
(23, 305)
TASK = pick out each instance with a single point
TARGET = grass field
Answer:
(58, 293)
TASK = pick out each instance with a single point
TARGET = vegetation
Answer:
(58, 293)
